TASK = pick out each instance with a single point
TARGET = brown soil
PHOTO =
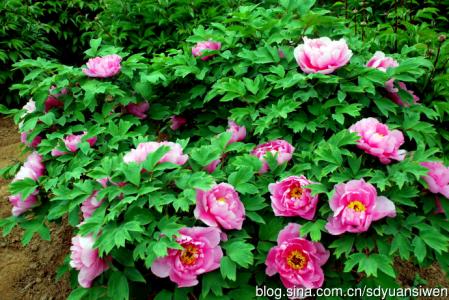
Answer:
(28, 272)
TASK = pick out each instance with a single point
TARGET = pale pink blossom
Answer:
(437, 178)
(355, 206)
(291, 197)
(102, 67)
(20, 206)
(381, 62)
(238, 132)
(279, 148)
(72, 141)
(140, 154)
(322, 55)
(393, 93)
(32, 168)
(201, 253)
(376, 139)
(220, 207)
(200, 47)
(297, 260)
(84, 258)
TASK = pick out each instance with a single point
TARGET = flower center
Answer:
(297, 260)
(221, 200)
(379, 135)
(357, 206)
(189, 254)
(296, 192)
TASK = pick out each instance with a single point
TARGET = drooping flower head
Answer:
(280, 148)
(322, 55)
(201, 253)
(32, 168)
(85, 259)
(376, 139)
(437, 178)
(297, 260)
(355, 206)
(220, 206)
(102, 67)
(174, 155)
(200, 47)
(291, 197)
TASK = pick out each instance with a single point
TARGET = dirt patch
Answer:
(28, 272)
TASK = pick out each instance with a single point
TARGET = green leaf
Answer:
(228, 268)
(23, 187)
(118, 286)
(342, 245)
(314, 228)
(154, 157)
(240, 252)
(132, 172)
(419, 249)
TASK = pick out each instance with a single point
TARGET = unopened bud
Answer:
(441, 38)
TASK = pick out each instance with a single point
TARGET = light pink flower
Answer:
(32, 168)
(297, 260)
(290, 197)
(210, 168)
(139, 155)
(200, 47)
(56, 153)
(220, 207)
(376, 139)
(29, 107)
(281, 148)
(90, 205)
(36, 141)
(381, 62)
(238, 132)
(138, 109)
(106, 66)
(177, 122)
(437, 178)
(85, 259)
(393, 93)
(355, 205)
(322, 55)
(201, 253)
(72, 141)
(20, 206)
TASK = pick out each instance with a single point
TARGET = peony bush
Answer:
(267, 150)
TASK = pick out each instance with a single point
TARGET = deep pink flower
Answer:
(177, 122)
(210, 168)
(393, 93)
(439, 209)
(376, 139)
(201, 253)
(220, 207)
(238, 132)
(138, 109)
(85, 259)
(200, 47)
(20, 206)
(381, 62)
(322, 55)
(297, 260)
(290, 197)
(36, 141)
(72, 141)
(281, 148)
(140, 154)
(437, 178)
(52, 102)
(56, 153)
(355, 205)
(106, 66)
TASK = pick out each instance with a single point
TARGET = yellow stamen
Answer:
(357, 206)
(296, 192)
(189, 254)
(221, 199)
(297, 260)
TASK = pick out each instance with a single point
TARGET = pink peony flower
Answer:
(72, 141)
(322, 55)
(437, 178)
(106, 66)
(201, 253)
(177, 122)
(281, 148)
(355, 205)
(56, 153)
(140, 154)
(90, 205)
(376, 139)
(238, 132)
(200, 47)
(138, 109)
(210, 168)
(29, 107)
(439, 209)
(52, 102)
(20, 206)
(36, 141)
(290, 197)
(220, 207)
(85, 259)
(393, 93)
(297, 260)
(32, 168)
(381, 62)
